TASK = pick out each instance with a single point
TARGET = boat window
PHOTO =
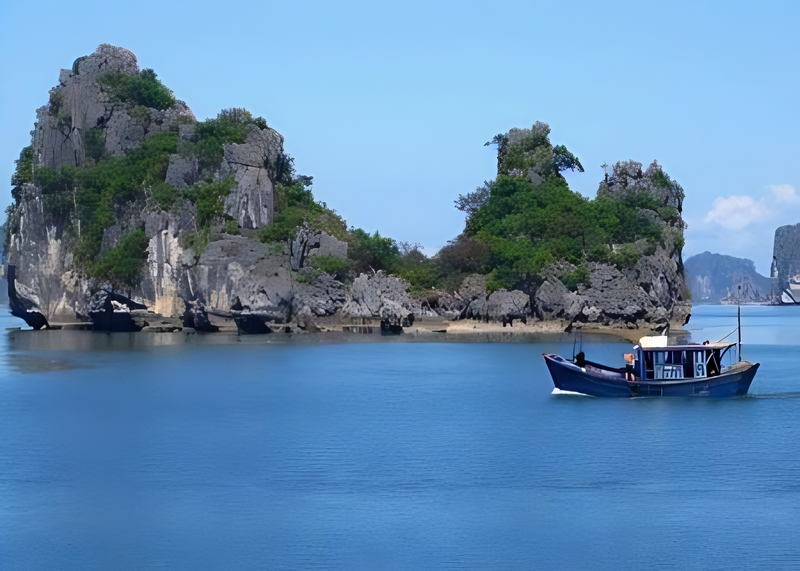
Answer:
(699, 362)
(668, 365)
(728, 357)
(712, 363)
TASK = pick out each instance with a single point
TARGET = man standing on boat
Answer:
(629, 369)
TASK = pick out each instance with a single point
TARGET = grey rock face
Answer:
(304, 240)
(166, 281)
(786, 255)
(473, 287)
(22, 304)
(554, 300)
(649, 295)
(124, 132)
(155, 323)
(182, 171)
(442, 304)
(110, 311)
(42, 254)
(384, 297)
(330, 246)
(196, 317)
(613, 295)
(394, 314)
(324, 296)
(308, 242)
(76, 105)
(711, 277)
(79, 103)
(503, 305)
(248, 276)
(476, 309)
(251, 204)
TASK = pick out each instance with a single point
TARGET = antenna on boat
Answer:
(739, 320)
(574, 339)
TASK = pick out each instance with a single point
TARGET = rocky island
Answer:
(129, 214)
(719, 279)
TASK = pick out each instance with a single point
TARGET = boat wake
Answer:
(572, 393)
(791, 395)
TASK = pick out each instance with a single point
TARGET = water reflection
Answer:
(195, 452)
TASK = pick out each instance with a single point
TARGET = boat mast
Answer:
(739, 321)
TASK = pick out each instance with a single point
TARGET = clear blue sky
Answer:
(388, 104)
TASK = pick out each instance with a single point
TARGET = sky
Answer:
(388, 104)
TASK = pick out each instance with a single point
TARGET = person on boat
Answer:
(630, 371)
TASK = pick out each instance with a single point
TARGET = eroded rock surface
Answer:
(23, 303)
(245, 275)
(383, 297)
(310, 242)
(252, 204)
(441, 304)
(648, 295)
(786, 255)
(324, 296)
(262, 285)
(505, 305)
(80, 103)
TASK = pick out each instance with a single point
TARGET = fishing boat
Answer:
(657, 369)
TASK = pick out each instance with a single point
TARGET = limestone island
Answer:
(129, 214)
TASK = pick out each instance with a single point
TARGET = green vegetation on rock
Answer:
(528, 217)
(230, 126)
(295, 205)
(143, 89)
(528, 226)
(94, 142)
(231, 227)
(573, 279)
(122, 265)
(516, 225)
(87, 194)
(332, 265)
(209, 198)
(85, 197)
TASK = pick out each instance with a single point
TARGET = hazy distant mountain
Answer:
(711, 277)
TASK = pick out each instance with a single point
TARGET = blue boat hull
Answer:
(569, 377)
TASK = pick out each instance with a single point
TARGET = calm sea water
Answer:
(116, 453)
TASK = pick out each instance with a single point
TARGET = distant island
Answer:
(716, 278)
(130, 214)
(720, 279)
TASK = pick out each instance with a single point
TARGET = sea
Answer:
(175, 451)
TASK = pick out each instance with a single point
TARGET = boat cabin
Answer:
(656, 360)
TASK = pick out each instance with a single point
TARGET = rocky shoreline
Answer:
(378, 303)
(74, 335)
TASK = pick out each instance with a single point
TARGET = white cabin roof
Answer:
(653, 341)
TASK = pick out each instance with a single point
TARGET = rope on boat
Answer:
(728, 335)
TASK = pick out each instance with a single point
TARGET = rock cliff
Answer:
(232, 272)
(133, 214)
(79, 103)
(786, 258)
(649, 295)
(713, 277)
